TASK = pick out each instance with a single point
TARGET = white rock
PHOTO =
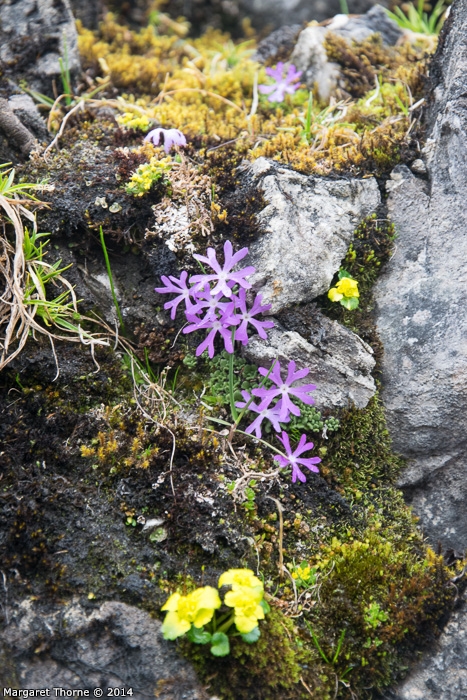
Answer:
(307, 226)
(340, 362)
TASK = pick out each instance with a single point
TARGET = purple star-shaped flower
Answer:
(264, 411)
(293, 460)
(283, 83)
(223, 275)
(215, 325)
(284, 389)
(246, 316)
(205, 300)
(170, 138)
(179, 287)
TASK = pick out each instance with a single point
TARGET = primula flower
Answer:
(345, 291)
(265, 412)
(223, 275)
(239, 577)
(284, 389)
(246, 316)
(169, 137)
(179, 287)
(205, 300)
(216, 325)
(283, 83)
(247, 609)
(196, 608)
(293, 460)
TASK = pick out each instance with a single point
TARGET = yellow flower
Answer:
(240, 577)
(247, 610)
(196, 608)
(346, 287)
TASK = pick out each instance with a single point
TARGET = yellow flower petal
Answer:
(172, 602)
(203, 616)
(173, 626)
(206, 597)
(245, 624)
(334, 295)
(239, 577)
(348, 287)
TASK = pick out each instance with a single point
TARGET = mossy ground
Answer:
(83, 468)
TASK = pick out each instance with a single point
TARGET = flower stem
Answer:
(226, 625)
(240, 415)
(231, 381)
(268, 444)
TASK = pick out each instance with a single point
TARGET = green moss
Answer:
(359, 455)
(270, 669)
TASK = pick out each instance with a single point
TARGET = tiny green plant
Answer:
(28, 303)
(111, 281)
(332, 660)
(147, 174)
(416, 19)
(304, 575)
(65, 74)
(344, 7)
(204, 619)
(374, 616)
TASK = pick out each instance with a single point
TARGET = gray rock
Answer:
(279, 42)
(375, 21)
(340, 362)
(418, 166)
(26, 110)
(307, 226)
(264, 14)
(310, 56)
(421, 310)
(113, 645)
(33, 36)
(278, 12)
(443, 672)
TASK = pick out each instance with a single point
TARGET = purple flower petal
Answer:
(223, 276)
(283, 83)
(179, 287)
(285, 390)
(169, 137)
(293, 458)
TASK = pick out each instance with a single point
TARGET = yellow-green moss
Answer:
(205, 86)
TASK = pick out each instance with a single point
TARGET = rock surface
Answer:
(307, 225)
(33, 36)
(340, 362)
(310, 56)
(443, 672)
(264, 14)
(421, 310)
(76, 646)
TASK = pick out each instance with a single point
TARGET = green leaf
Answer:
(350, 303)
(251, 637)
(343, 273)
(220, 644)
(265, 606)
(198, 635)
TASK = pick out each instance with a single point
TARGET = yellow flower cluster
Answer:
(130, 120)
(245, 598)
(147, 174)
(198, 608)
